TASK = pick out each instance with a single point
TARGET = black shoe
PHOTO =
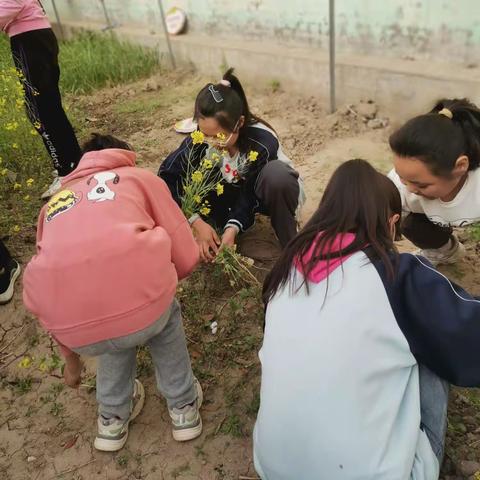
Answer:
(8, 276)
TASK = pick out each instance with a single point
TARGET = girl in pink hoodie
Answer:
(35, 53)
(111, 247)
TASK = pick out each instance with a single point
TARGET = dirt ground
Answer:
(47, 431)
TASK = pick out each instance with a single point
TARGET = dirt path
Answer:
(46, 431)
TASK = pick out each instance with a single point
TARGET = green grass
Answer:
(91, 61)
(88, 62)
(22, 385)
(122, 460)
(474, 232)
(56, 409)
(232, 426)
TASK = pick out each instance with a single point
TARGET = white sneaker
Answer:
(113, 433)
(55, 186)
(186, 421)
(440, 257)
(8, 277)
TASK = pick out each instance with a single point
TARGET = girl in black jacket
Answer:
(256, 175)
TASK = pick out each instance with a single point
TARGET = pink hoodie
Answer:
(111, 247)
(324, 268)
(19, 16)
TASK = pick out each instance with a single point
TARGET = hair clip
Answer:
(446, 113)
(215, 94)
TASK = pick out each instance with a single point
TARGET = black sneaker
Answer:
(8, 276)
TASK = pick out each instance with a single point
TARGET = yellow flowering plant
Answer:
(236, 267)
(46, 364)
(200, 180)
(23, 162)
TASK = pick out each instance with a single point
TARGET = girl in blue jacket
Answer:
(360, 345)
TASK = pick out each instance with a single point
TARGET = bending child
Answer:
(111, 246)
(256, 175)
(437, 156)
(356, 363)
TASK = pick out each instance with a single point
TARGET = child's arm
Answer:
(9, 9)
(40, 224)
(72, 371)
(167, 214)
(440, 321)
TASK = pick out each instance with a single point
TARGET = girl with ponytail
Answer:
(257, 177)
(437, 156)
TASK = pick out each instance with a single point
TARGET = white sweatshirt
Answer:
(464, 209)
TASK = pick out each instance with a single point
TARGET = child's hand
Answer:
(207, 240)
(228, 237)
(72, 372)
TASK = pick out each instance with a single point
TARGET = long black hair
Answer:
(226, 102)
(358, 199)
(438, 140)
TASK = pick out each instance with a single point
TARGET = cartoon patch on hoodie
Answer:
(101, 191)
(61, 202)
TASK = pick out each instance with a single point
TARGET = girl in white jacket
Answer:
(360, 345)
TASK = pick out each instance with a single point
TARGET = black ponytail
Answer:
(97, 141)
(226, 102)
(439, 140)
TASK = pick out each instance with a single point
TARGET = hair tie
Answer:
(446, 113)
(224, 82)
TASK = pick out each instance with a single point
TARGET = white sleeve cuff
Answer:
(234, 224)
(193, 218)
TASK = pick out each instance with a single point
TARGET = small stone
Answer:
(469, 420)
(151, 86)
(31, 459)
(367, 110)
(331, 121)
(468, 467)
(377, 123)
(290, 143)
(461, 399)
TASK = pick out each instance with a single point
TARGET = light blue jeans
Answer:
(433, 409)
(116, 368)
